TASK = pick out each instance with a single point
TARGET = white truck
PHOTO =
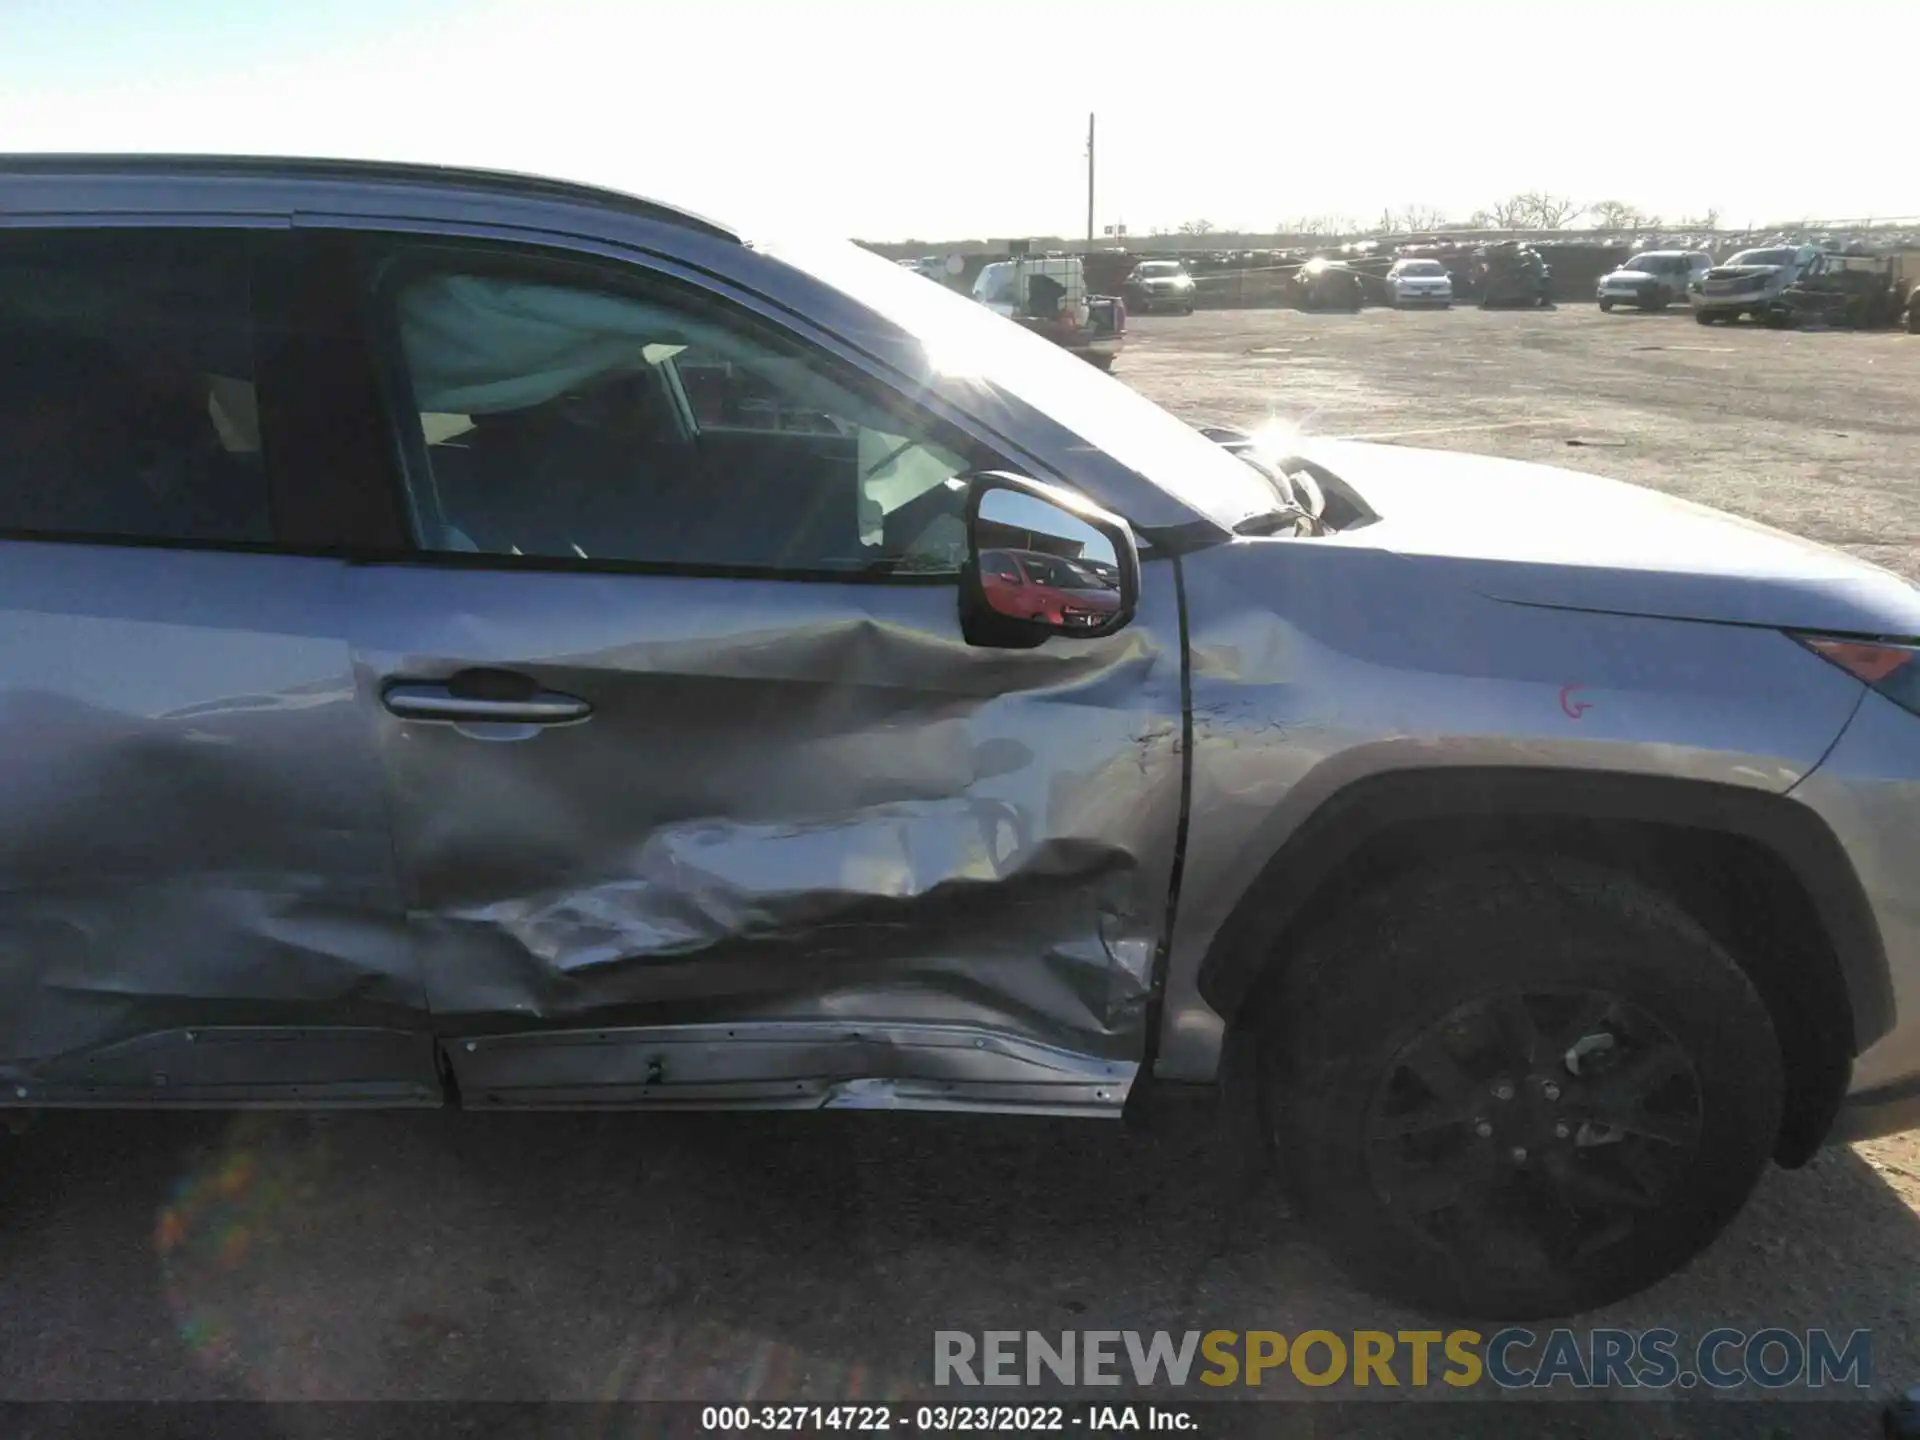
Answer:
(1048, 295)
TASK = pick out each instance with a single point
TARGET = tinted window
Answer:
(1059, 573)
(1000, 564)
(652, 425)
(127, 402)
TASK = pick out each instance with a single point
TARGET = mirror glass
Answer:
(1044, 564)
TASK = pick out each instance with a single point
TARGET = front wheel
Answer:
(1101, 362)
(1658, 300)
(1605, 306)
(1705, 317)
(1511, 1089)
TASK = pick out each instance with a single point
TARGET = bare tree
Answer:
(1549, 212)
(1708, 219)
(1410, 220)
(1532, 210)
(1507, 215)
(1196, 227)
(1317, 226)
(1619, 215)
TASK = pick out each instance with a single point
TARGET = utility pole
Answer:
(1089, 180)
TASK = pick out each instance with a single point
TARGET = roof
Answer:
(374, 172)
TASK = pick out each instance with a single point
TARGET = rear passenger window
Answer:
(127, 401)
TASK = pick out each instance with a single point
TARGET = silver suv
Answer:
(1751, 282)
(1654, 279)
(477, 640)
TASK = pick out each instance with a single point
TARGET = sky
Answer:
(948, 120)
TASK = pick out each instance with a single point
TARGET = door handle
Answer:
(442, 702)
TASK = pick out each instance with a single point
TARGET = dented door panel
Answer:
(197, 895)
(793, 804)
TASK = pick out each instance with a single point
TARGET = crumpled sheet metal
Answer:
(1316, 665)
(836, 1065)
(822, 807)
(191, 822)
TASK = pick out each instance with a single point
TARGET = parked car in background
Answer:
(1159, 285)
(414, 692)
(1326, 284)
(1513, 273)
(1750, 283)
(1047, 294)
(1052, 589)
(1852, 292)
(1419, 282)
(1654, 279)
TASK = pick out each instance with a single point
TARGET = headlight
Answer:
(1892, 669)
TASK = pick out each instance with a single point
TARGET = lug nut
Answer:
(1562, 1130)
(1550, 1090)
(1483, 1130)
(1519, 1154)
(1503, 1090)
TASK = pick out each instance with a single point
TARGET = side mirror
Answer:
(1081, 561)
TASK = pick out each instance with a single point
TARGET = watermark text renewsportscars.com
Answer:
(1513, 1358)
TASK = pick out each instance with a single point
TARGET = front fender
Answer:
(1319, 664)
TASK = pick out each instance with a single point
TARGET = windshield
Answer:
(1655, 264)
(1421, 267)
(1762, 257)
(976, 346)
(1160, 267)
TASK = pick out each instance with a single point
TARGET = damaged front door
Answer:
(700, 795)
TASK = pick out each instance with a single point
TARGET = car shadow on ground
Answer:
(740, 1258)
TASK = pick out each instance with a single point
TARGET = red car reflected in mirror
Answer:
(1032, 585)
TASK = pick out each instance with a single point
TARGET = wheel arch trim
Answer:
(1368, 808)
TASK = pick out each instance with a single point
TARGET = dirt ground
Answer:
(446, 1256)
(1815, 432)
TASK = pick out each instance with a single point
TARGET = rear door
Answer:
(197, 894)
(699, 795)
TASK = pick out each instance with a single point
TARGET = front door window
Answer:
(571, 421)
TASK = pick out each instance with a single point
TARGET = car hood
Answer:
(1741, 272)
(1629, 276)
(1541, 535)
(1435, 280)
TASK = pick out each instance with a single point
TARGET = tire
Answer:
(1705, 317)
(1913, 319)
(1606, 306)
(1101, 362)
(1773, 317)
(1423, 976)
(1659, 300)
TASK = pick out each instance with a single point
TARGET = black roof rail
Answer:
(375, 171)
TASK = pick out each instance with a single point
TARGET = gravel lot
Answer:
(448, 1256)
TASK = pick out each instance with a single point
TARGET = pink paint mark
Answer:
(1574, 708)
